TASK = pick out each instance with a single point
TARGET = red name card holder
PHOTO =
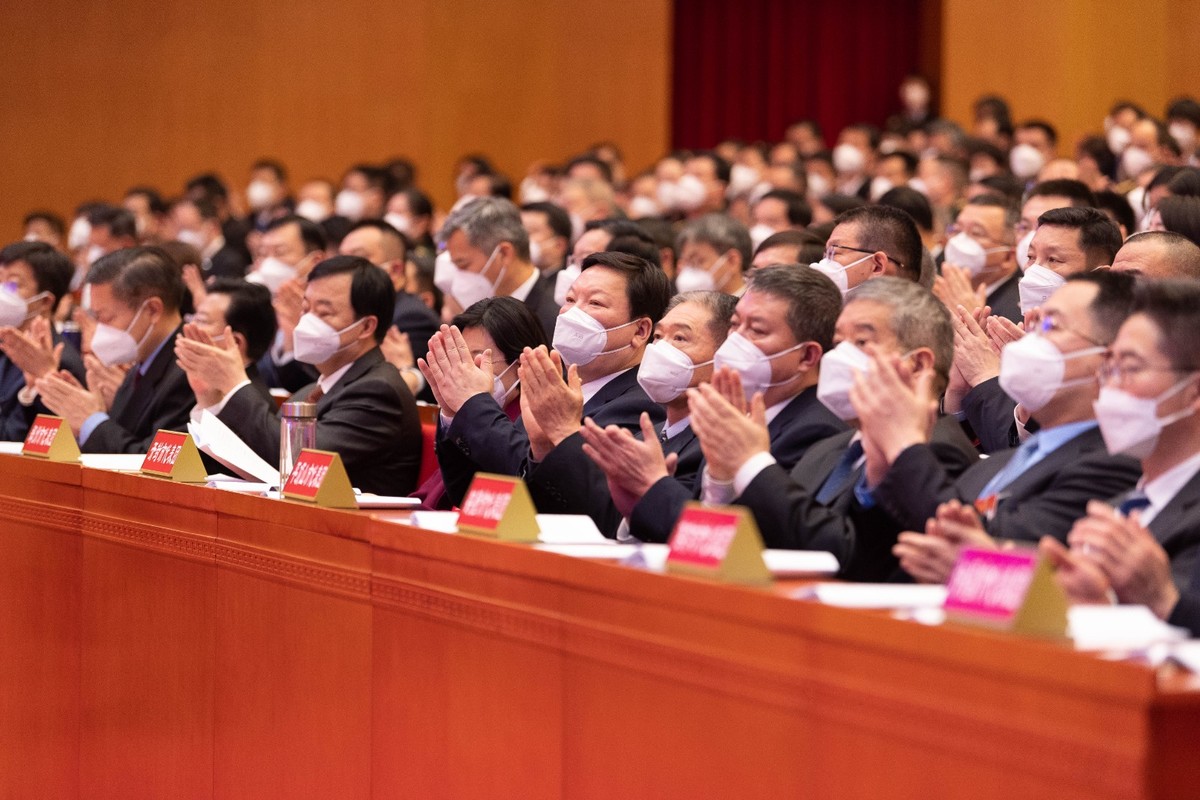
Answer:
(174, 456)
(319, 477)
(499, 506)
(50, 438)
(1010, 590)
(720, 543)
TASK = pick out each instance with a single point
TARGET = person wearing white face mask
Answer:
(780, 328)
(854, 159)
(1041, 487)
(1067, 241)
(599, 340)
(195, 222)
(869, 242)
(33, 277)
(488, 250)
(365, 412)
(713, 253)
(267, 194)
(1145, 545)
(362, 193)
(681, 357)
(815, 505)
(109, 229)
(549, 229)
(134, 298)
(778, 210)
(981, 247)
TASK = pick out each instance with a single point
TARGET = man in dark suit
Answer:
(891, 332)
(1145, 545)
(782, 326)
(365, 412)
(490, 251)
(35, 277)
(612, 309)
(980, 254)
(196, 223)
(135, 296)
(1043, 486)
(566, 481)
(234, 315)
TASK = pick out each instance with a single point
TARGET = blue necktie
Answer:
(1134, 501)
(1013, 469)
(837, 481)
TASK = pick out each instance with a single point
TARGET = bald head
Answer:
(1158, 255)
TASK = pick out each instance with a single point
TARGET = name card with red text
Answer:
(50, 438)
(718, 542)
(1010, 590)
(319, 477)
(499, 506)
(174, 456)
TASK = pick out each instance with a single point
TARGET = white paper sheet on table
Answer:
(1108, 627)
(11, 448)
(117, 462)
(874, 595)
(440, 521)
(569, 529)
(386, 501)
(215, 439)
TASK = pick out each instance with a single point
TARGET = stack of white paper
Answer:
(214, 438)
(875, 595)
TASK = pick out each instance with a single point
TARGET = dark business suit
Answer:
(291, 376)
(144, 404)
(800, 424)
(789, 515)
(16, 419)
(481, 438)
(1177, 528)
(990, 413)
(418, 320)
(1044, 500)
(1005, 299)
(1186, 613)
(228, 262)
(540, 301)
(368, 417)
(568, 482)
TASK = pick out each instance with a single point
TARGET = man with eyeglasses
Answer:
(868, 242)
(1144, 544)
(1024, 493)
(980, 266)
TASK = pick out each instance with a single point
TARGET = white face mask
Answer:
(81, 229)
(689, 192)
(115, 346)
(1036, 286)
(194, 238)
(315, 341)
(1026, 161)
(94, 254)
(818, 185)
(838, 368)
(401, 222)
(499, 393)
(313, 210)
(695, 279)
(531, 192)
(918, 185)
(1118, 139)
(1184, 135)
(879, 187)
(848, 159)
(1130, 424)
(272, 273)
(759, 234)
(444, 271)
(642, 206)
(535, 253)
(350, 204)
(1135, 160)
(259, 194)
(1023, 250)
(468, 288)
(1032, 370)
(580, 339)
(743, 355)
(666, 371)
(742, 179)
(963, 251)
(14, 309)
(836, 272)
(563, 282)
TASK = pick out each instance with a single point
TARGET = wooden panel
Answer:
(100, 97)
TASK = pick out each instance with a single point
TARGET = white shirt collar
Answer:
(592, 387)
(774, 410)
(331, 380)
(214, 247)
(1162, 490)
(674, 429)
(522, 291)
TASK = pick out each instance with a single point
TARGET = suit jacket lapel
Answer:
(1167, 522)
(614, 388)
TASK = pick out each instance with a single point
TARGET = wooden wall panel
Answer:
(97, 97)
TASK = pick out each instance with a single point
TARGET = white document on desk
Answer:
(874, 595)
(570, 529)
(214, 438)
(114, 462)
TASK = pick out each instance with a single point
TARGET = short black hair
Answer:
(1043, 126)
(387, 230)
(874, 135)
(371, 291)
(1118, 206)
(52, 271)
(1099, 236)
(153, 199)
(556, 217)
(119, 221)
(721, 168)
(1012, 214)
(419, 204)
(208, 184)
(1185, 108)
(1114, 300)
(1181, 214)
(1174, 308)
(891, 230)
(814, 302)
(910, 160)
(509, 322)
(1096, 148)
(799, 213)
(591, 160)
(50, 218)
(791, 238)
(636, 246)
(312, 234)
(616, 226)
(1076, 191)
(139, 273)
(646, 286)
(1006, 184)
(910, 201)
(276, 168)
(250, 313)
(1185, 182)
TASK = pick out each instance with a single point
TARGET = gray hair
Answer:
(918, 318)
(721, 232)
(488, 221)
(720, 307)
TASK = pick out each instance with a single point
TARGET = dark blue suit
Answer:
(15, 419)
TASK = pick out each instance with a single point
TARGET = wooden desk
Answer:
(172, 641)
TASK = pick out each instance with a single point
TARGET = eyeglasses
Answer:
(831, 251)
(974, 233)
(1114, 371)
(1050, 323)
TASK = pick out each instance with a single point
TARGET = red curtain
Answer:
(748, 69)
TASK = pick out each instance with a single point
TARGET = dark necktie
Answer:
(1134, 501)
(845, 470)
